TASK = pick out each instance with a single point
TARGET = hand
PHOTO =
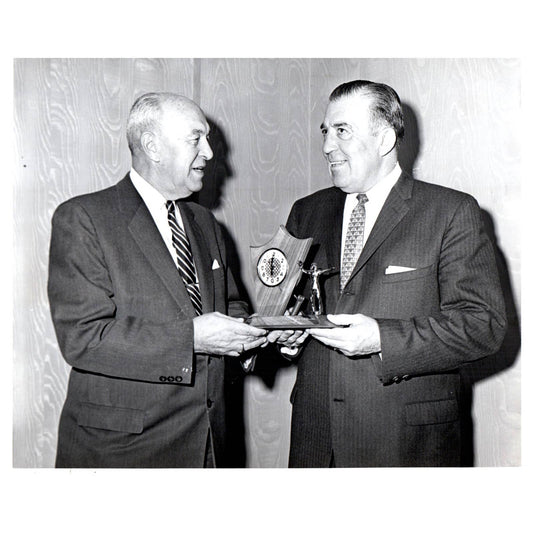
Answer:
(218, 334)
(360, 338)
(288, 337)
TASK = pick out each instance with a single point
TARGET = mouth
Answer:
(336, 164)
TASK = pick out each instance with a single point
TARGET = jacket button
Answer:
(170, 378)
(396, 379)
(179, 379)
(162, 378)
(209, 403)
(406, 377)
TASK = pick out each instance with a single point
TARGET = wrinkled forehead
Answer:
(184, 118)
(352, 109)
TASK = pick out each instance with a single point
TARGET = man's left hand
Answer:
(361, 337)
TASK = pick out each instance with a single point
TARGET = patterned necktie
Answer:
(185, 261)
(354, 239)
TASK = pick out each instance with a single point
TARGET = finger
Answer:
(341, 320)
(244, 330)
(330, 340)
(232, 318)
(294, 337)
(253, 344)
(324, 333)
(274, 335)
(285, 334)
(256, 332)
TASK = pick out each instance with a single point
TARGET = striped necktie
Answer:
(353, 244)
(185, 261)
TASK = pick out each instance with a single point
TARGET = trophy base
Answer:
(291, 322)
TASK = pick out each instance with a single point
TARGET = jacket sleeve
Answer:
(91, 336)
(471, 323)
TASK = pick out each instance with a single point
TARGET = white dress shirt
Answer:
(156, 204)
(376, 198)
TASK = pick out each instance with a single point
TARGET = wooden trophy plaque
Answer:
(276, 269)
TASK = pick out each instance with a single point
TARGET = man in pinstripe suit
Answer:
(417, 294)
(141, 318)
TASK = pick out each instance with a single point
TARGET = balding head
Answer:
(168, 138)
(147, 112)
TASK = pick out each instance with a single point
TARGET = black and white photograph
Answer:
(270, 271)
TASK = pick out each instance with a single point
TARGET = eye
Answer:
(343, 133)
(194, 141)
(324, 132)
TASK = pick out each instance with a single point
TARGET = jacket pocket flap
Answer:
(111, 418)
(435, 412)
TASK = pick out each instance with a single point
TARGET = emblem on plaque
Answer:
(272, 267)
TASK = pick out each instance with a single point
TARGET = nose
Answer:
(328, 143)
(205, 150)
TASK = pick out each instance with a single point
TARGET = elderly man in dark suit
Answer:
(140, 291)
(417, 296)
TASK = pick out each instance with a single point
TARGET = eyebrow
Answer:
(336, 125)
(199, 132)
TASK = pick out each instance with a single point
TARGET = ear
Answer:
(388, 141)
(150, 146)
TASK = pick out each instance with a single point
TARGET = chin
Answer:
(340, 182)
(196, 186)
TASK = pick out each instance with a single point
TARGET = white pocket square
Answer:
(215, 265)
(392, 269)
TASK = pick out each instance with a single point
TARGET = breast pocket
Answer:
(409, 275)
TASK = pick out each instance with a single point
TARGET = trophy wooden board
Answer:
(276, 271)
(291, 322)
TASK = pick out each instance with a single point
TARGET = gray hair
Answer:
(145, 115)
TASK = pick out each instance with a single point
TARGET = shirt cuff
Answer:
(289, 353)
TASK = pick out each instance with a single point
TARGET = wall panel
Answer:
(261, 107)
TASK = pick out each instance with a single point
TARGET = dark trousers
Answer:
(209, 461)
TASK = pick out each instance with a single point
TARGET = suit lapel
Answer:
(394, 209)
(145, 233)
(333, 230)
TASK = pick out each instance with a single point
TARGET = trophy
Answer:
(277, 267)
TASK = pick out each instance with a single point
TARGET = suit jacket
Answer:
(403, 409)
(137, 395)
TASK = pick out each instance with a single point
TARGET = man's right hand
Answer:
(218, 334)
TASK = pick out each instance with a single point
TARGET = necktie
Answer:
(185, 262)
(353, 244)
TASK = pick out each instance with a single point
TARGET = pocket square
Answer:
(215, 265)
(392, 269)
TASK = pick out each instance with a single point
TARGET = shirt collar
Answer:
(150, 195)
(382, 188)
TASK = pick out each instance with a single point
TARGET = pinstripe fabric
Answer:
(185, 259)
(405, 408)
